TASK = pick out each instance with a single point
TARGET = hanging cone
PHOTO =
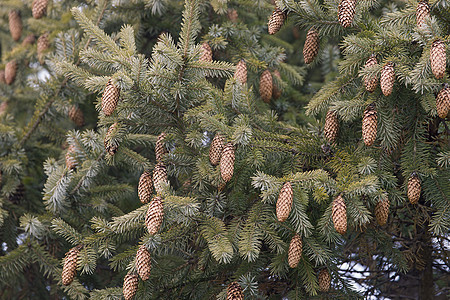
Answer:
(155, 215)
(414, 188)
(387, 79)
(70, 265)
(110, 147)
(29, 40)
(130, 285)
(438, 59)
(265, 86)
(346, 12)
(241, 72)
(206, 53)
(216, 148)
(15, 24)
(295, 251)
(234, 291)
(443, 101)
(42, 45)
(159, 177)
(276, 91)
(143, 262)
(311, 47)
(339, 215)
(39, 8)
(276, 21)
(110, 98)
(371, 82)
(76, 115)
(145, 187)
(382, 210)
(369, 125)
(10, 71)
(160, 149)
(324, 280)
(71, 161)
(232, 15)
(227, 162)
(331, 127)
(422, 12)
(284, 202)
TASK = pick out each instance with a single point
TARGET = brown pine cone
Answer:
(143, 262)
(29, 40)
(159, 177)
(232, 15)
(111, 146)
(284, 202)
(339, 215)
(234, 291)
(276, 20)
(311, 47)
(39, 8)
(70, 265)
(295, 251)
(387, 79)
(346, 12)
(11, 71)
(324, 280)
(331, 127)
(110, 98)
(71, 161)
(130, 285)
(160, 148)
(414, 188)
(276, 91)
(206, 53)
(371, 82)
(216, 148)
(15, 24)
(42, 45)
(422, 12)
(382, 210)
(227, 162)
(369, 125)
(241, 72)
(438, 59)
(265, 86)
(155, 215)
(76, 115)
(443, 101)
(145, 187)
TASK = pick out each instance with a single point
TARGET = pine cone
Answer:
(71, 161)
(159, 177)
(369, 125)
(422, 12)
(15, 24)
(145, 187)
(438, 59)
(111, 147)
(29, 40)
(295, 251)
(241, 72)
(216, 148)
(234, 291)
(346, 12)
(130, 285)
(70, 265)
(414, 188)
(206, 53)
(311, 47)
(39, 8)
(276, 92)
(382, 210)
(339, 215)
(443, 101)
(371, 82)
(160, 149)
(227, 162)
(276, 21)
(324, 280)
(284, 202)
(110, 98)
(387, 79)
(10, 72)
(232, 15)
(143, 262)
(265, 86)
(2, 77)
(76, 115)
(155, 215)
(42, 45)
(331, 127)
